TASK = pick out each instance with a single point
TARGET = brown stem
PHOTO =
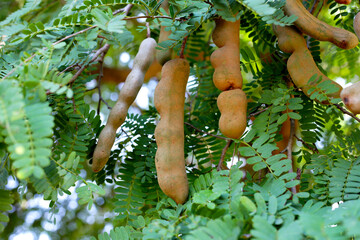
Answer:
(314, 149)
(125, 9)
(148, 32)
(101, 74)
(102, 50)
(347, 112)
(183, 47)
(257, 113)
(223, 153)
(289, 149)
(314, 6)
(153, 17)
(202, 131)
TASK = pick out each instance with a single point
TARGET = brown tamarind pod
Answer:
(346, 2)
(164, 55)
(226, 59)
(356, 24)
(226, 62)
(169, 100)
(301, 65)
(289, 38)
(232, 105)
(226, 32)
(128, 93)
(351, 97)
(310, 25)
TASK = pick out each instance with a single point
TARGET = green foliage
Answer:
(264, 185)
(270, 11)
(5, 205)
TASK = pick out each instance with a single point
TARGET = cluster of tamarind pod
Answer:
(169, 96)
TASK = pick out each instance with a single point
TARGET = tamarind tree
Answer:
(263, 143)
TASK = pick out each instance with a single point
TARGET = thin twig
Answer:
(104, 49)
(125, 9)
(183, 47)
(347, 112)
(223, 153)
(148, 31)
(153, 17)
(68, 68)
(207, 133)
(289, 149)
(314, 149)
(74, 34)
(101, 74)
(314, 6)
(257, 113)
(106, 103)
(208, 2)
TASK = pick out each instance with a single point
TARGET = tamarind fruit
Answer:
(343, 1)
(162, 56)
(356, 24)
(310, 25)
(301, 65)
(128, 93)
(226, 59)
(232, 102)
(169, 100)
(232, 105)
(351, 97)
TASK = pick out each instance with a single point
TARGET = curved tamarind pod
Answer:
(343, 1)
(169, 100)
(289, 38)
(302, 67)
(356, 24)
(351, 97)
(226, 32)
(232, 105)
(128, 93)
(162, 56)
(318, 29)
(226, 62)
(226, 59)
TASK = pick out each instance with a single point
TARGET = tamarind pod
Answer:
(226, 59)
(162, 56)
(226, 33)
(128, 93)
(226, 62)
(302, 67)
(356, 24)
(169, 100)
(351, 97)
(318, 29)
(343, 1)
(289, 38)
(232, 105)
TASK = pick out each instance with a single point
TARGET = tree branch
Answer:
(223, 153)
(183, 47)
(102, 50)
(347, 112)
(289, 149)
(125, 10)
(314, 149)
(207, 133)
(257, 113)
